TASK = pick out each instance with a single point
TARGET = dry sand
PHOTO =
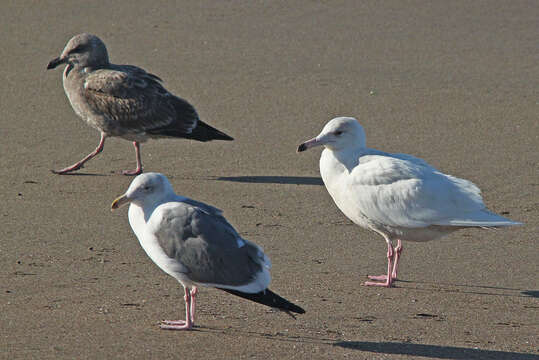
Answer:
(454, 82)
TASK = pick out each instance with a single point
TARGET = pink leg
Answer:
(138, 170)
(180, 324)
(80, 164)
(387, 280)
(398, 251)
(194, 292)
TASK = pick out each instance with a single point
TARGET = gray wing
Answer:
(399, 192)
(211, 210)
(136, 101)
(207, 245)
(366, 156)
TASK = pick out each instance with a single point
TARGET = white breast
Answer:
(336, 177)
(152, 248)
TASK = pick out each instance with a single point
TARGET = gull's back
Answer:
(209, 250)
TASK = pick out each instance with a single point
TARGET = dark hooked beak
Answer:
(55, 62)
(302, 147)
(309, 144)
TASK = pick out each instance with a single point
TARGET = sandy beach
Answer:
(453, 82)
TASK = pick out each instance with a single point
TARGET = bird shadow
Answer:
(293, 180)
(432, 351)
(278, 336)
(82, 174)
(531, 293)
(394, 348)
(522, 292)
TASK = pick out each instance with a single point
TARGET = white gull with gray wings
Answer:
(124, 100)
(398, 196)
(194, 243)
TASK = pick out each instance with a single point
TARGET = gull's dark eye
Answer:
(78, 49)
(338, 133)
(147, 188)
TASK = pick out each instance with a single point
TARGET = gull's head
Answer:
(341, 133)
(82, 50)
(146, 189)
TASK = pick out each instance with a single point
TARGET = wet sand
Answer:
(452, 82)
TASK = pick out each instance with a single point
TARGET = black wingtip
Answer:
(223, 136)
(214, 134)
(205, 132)
(302, 147)
(268, 298)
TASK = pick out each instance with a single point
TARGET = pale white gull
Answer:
(124, 101)
(398, 196)
(195, 244)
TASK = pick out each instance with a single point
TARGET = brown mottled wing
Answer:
(136, 101)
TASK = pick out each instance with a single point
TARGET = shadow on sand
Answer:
(276, 336)
(82, 174)
(294, 180)
(471, 289)
(393, 348)
(531, 293)
(433, 351)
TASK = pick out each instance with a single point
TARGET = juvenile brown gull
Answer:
(124, 101)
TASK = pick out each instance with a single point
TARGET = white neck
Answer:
(135, 214)
(336, 165)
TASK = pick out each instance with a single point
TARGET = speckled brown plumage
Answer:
(123, 100)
